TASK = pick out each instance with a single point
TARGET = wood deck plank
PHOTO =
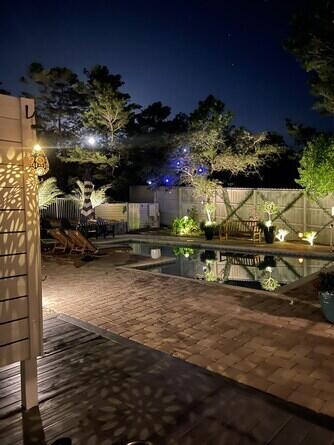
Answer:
(93, 389)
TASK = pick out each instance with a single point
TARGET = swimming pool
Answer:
(267, 272)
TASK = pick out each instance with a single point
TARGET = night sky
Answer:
(174, 51)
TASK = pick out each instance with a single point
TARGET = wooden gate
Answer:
(20, 266)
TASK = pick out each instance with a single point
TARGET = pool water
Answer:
(257, 271)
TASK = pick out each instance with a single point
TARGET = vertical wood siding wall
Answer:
(299, 213)
(20, 276)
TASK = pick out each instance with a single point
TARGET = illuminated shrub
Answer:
(185, 226)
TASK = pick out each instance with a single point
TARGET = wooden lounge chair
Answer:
(80, 242)
(62, 241)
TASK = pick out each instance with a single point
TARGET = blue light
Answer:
(166, 180)
(178, 163)
(149, 182)
(200, 170)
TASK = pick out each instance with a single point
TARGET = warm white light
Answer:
(91, 140)
(300, 235)
(37, 147)
(281, 234)
(332, 211)
(300, 260)
(310, 237)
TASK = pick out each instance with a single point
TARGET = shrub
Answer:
(185, 226)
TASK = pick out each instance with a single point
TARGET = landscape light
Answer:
(300, 235)
(300, 260)
(310, 237)
(281, 234)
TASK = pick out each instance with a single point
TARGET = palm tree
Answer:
(97, 197)
(48, 191)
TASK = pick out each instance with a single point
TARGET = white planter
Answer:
(155, 254)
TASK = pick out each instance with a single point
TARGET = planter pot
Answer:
(208, 255)
(155, 254)
(268, 261)
(209, 231)
(327, 305)
(269, 234)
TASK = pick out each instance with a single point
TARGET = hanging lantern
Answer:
(39, 161)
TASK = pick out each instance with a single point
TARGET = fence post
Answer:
(255, 202)
(179, 201)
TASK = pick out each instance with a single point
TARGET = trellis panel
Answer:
(304, 215)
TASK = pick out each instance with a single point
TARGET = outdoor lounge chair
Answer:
(62, 241)
(80, 242)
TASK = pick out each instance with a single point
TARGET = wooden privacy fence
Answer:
(297, 213)
(132, 215)
(20, 267)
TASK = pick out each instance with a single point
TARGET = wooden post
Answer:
(179, 201)
(29, 390)
(304, 212)
(20, 263)
(33, 262)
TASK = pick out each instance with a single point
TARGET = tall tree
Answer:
(213, 145)
(217, 146)
(107, 115)
(152, 119)
(60, 102)
(300, 134)
(312, 42)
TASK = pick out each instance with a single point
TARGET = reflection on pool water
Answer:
(257, 271)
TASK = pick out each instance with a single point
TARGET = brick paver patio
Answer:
(268, 343)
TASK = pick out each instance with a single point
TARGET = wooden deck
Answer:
(104, 390)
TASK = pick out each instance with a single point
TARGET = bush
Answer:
(185, 226)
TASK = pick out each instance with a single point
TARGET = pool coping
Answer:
(202, 244)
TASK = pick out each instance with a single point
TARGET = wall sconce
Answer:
(39, 161)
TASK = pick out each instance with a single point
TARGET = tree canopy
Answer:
(215, 145)
(317, 166)
(312, 43)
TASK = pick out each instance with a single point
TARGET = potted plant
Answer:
(270, 208)
(209, 229)
(268, 230)
(326, 294)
